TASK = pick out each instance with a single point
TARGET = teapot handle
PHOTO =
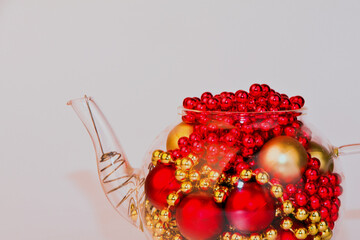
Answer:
(348, 149)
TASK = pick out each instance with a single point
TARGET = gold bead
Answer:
(156, 217)
(312, 229)
(271, 234)
(262, 178)
(205, 169)
(172, 199)
(288, 207)
(157, 237)
(301, 214)
(226, 236)
(315, 217)
(150, 225)
(236, 236)
(159, 228)
(301, 233)
(278, 212)
(173, 225)
(194, 158)
(177, 237)
(186, 164)
(156, 157)
(186, 187)
(277, 191)
(178, 163)
(180, 175)
(322, 226)
(133, 213)
(194, 176)
(233, 180)
(165, 215)
(317, 237)
(220, 195)
(204, 184)
(286, 223)
(327, 234)
(255, 236)
(166, 158)
(246, 174)
(214, 175)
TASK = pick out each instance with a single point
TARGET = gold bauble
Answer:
(262, 178)
(301, 233)
(186, 187)
(226, 236)
(283, 158)
(288, 207)
(180, 130)
(322, 226)
(186, 164)
(301, 214)
(246, 174)
(172, 199)
(324, 155)
(315, 217)
(204, 184)
(277, 191)
(271, 234)
(165, 215)
(194, 176)
(286, 223)
(312, 228)
(159, 228)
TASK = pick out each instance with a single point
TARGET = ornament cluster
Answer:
(242, 166)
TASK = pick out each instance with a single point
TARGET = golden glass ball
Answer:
(180, 175)
(271, 234)
(172, 199)
(246, 174)
(288, 207)
(286, 223)
(180, 130)
(165, 215)
(186, 187)
(262, 178)
(236, 236)
(301, 214)
(214, 175)
(283, 158)
(324, 155)
(194, 176)
(312, 228)
(322, 226)
(165, 158)
(204, 184)
(301, 233)
(317, 237)
(327, 234)
(277, 191)
(156, 156)
(315, 217)
(186, 164)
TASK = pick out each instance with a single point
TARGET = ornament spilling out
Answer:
(241, 165)
(283, 158)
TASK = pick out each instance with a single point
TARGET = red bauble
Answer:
(250, 208)
(198, 217)
(159, 183)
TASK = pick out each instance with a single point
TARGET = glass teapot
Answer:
(224, 175)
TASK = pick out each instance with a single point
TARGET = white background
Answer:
(139, 59)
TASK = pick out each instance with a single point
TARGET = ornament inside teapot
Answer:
(238, 166)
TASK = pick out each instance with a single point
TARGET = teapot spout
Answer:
(120, 182)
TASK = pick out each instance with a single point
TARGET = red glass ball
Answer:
(199, 217)
(159, 183)
(250, 208)
(241, 96)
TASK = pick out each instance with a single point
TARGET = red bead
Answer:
(277, 131)
(248, 141)
(230, 139)
(334, 209)
(262, 101)
(189, 118)
(206, 95)
(315, 202)
(299, 100)
(183, 141)
(290, 131)
(338, 190)
(251, 105)
(197, 147)
(176, 154)
(247, 152)
(184, 151)
(310, 188)
(265, 89)
(327, 203)
(301, 199)
(259, 140)
(290, 189)
(337, 201)
(323, 192)
(159, 183)
(274, 100)
(314, 163)
(324, 181)
(241, 166)
(212, 104)
(194, 137)
(335, 179)
(212, 150)
(199, 217)
(226, 103)
(334, 217)
(267, 125)
(285, 104)
(282, 120)
(242, 107)
(295, 106)
(324, 212)
(312, 174)
(189, 103)
(212, 138)
(250, 208)
(241, 96)
(255, 90)
(201, 106)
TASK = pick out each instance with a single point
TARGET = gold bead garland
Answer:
(205, 178)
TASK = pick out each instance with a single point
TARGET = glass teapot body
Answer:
(224, 175)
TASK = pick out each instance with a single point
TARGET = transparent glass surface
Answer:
(225, 175)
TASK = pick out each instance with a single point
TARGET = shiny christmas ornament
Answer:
(301, 233)
(315, 217)
(277, 191)
(199, 217)
(186, 164)
(194, 176)
(181, 130)
(255, 236)
(204, 184)
(186, 187)
(246, 174)
(250, 208)
(301, 214)
(220, 195)
(156, 156)
(172, 199)
(312, 229)
(271, 234)
(286, 223)
(283, 158)
(288, 207)
(323, 155)
(180, 175)
(159, 183)
(262, 178)
(165, 157)
(165, 215)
